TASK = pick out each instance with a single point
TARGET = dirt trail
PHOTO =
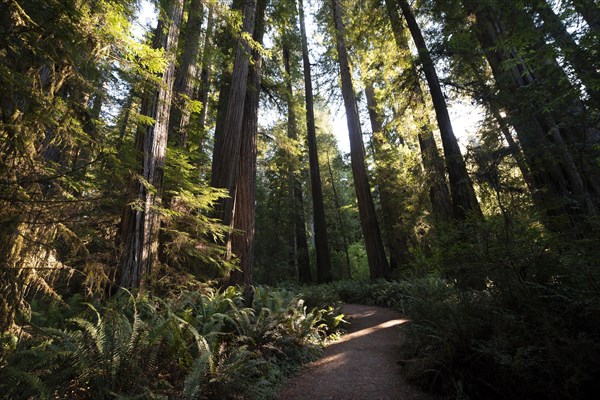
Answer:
(361, 365)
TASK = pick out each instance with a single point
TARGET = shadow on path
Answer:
(361, 365)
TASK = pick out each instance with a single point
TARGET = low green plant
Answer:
(193, 345)
(532, 334)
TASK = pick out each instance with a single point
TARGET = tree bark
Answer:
(378, 264)
(321, 243)
(186, 72)
(242, 243)
(301, 259)
(141, 220)
(464, 200)
(226, 153)
(206, 71)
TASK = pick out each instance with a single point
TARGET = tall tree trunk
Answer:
(301, 259)
(338, 209)
(227, 43)
(388, 192)
(378, 264)
(141, 220)
(242, 244)
(584, 67)
(124, 118)
(439, 196)
(514, 149)
(206, 70)
(552, 166)
(464, 200)
(185, 76)
(226, 153)
(321, 243)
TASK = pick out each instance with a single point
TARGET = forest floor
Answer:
(363, 364)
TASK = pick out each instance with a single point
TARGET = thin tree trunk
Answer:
(141, 220)
(514, 149)
(206, 70)
(242, 244)
(573, 53)
(378, 264)
(390, 209)
(301, 259)
(226, 153)
(338, 209)
(321, 243)
(550, 163)
(433, 164)
(125, 116)
(464, 200)
(185, 76)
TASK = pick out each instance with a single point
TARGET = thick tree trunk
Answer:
(433, 164)
(242, 243)
(301, 259)
(185, 76)
(464, 200)
(321, 243)
(141, 221)
(388, 192)
(378, 264)
(226, 153)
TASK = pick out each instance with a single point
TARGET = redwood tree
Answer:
(321, 243)
(242, 242)
(186, 71)
(464, 200)
(378, 264)
(141, 219)
(226, 152)
(300, 257)
(433, 164)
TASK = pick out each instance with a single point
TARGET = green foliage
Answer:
(194, 345)
(359, 264)
(531, 332)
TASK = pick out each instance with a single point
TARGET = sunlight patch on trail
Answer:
(372, 329)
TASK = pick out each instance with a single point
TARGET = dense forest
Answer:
(179, 220)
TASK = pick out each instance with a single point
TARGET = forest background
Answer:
(170, 199)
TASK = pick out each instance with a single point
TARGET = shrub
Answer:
(193, 345)
(524, 340)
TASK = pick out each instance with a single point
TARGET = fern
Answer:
(197, 377)
(18, 384)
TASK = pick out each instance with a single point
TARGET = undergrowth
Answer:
(527, 341)
(194, 345)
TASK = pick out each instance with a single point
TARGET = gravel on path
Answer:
(363, 364)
